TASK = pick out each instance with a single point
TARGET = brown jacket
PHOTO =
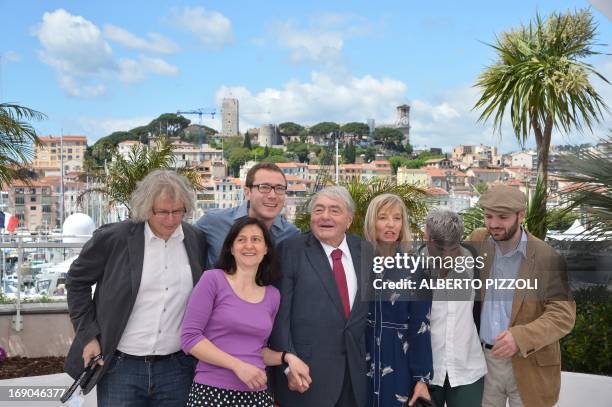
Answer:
(540, 318)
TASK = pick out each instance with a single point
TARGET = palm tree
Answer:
(363, 193)
(17, 140)
(593, 192)
(119, 182)
(541, 79)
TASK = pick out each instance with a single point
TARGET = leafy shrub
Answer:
(588, 348)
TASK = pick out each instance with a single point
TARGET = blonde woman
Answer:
(398, 340)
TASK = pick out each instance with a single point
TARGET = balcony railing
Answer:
(34, 268)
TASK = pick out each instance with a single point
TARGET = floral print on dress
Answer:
(398, 346)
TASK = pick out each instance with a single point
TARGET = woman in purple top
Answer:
(228, 321)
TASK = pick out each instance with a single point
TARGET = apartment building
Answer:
(49, 153)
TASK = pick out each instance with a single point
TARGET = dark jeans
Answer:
(468, 395)
(130, 382)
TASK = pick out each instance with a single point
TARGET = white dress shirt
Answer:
(154, 326)
(455, 346)
(349, 268)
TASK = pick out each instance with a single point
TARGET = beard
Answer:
(508, 233)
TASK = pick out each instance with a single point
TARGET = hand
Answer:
(505, 345)
(299, 374)
(420, 390)
(90, 350)
(252, 376)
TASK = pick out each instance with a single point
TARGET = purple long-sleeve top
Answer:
(235, 326)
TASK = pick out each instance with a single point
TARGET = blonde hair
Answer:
(382, 203)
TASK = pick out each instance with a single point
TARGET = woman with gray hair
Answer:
(398, 342)
(458, 361)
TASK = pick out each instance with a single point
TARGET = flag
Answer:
(8, 221)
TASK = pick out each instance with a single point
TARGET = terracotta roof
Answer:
(436, 191)
(441, 172)
(413, 170)
(486, 170)
(66, 138)
(42, 182)
(292, 165)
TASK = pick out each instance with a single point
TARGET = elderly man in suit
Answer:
(520, 329)
(321, 317)
(143, 270)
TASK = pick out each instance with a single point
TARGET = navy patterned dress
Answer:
(398, 344)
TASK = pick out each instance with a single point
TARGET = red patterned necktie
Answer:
(338, 270)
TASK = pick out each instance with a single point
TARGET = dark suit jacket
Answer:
(112, 260)
(311, 324)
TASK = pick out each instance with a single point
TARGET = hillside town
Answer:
(452, 179)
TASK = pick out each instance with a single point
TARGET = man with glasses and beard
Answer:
(265, 188)
(520, 329)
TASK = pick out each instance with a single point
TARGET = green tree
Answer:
(356, 128)
(123, 174)
(324, 128)
(276, 159)
(541, 79)
(299, 149)
(396, 162)
(369, 154)
(363, 193)
(290, 129)
(326, 157)
(389, 138)
(17, 140)
(481, 187)
(349, 153)
(247, 141)
(237, 158)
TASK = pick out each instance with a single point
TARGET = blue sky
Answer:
(97, 67)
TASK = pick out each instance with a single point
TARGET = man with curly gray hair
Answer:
(143, 270)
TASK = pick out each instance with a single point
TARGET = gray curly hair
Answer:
(444, 226)
(156, 183)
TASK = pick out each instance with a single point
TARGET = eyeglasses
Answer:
(266, 188)
(174, 214)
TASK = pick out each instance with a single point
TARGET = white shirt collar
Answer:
(177, 234)
(343, 246)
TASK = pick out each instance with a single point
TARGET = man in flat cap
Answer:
(520, 328)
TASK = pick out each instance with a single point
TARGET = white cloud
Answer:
(84, 60)
(322, 98)
(322, 40)
(155, 43)
(440, 121)
(96, 127)
(80, 89)
(131, 71)
(10, 56)
(309, 46)
(211, 28)
(73, 45)
(605, 6)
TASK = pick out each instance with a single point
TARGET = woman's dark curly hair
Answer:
(268, 270)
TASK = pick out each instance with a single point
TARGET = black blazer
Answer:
(112, 260)
(311, 323)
